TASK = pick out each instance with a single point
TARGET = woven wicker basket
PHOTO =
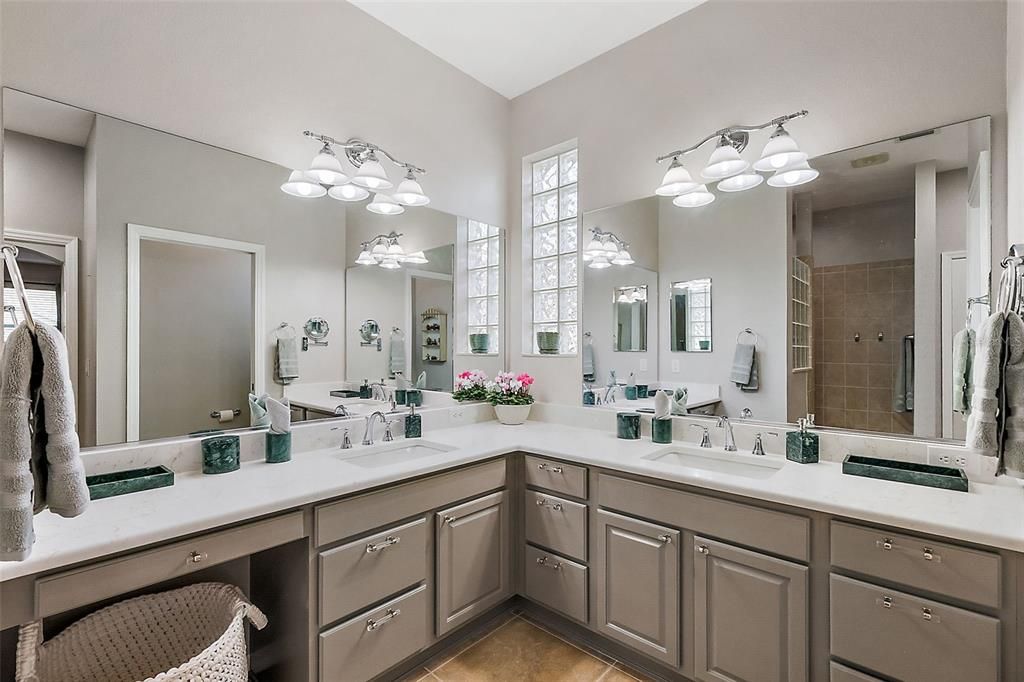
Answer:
(194, 634)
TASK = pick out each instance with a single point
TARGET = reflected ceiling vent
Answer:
(914, 136)
(873, 160)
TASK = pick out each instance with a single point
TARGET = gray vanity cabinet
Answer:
(637, 585)
(749, 615)
(473, 562)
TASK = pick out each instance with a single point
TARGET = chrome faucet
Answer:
(705, 437)
(341, 411)
(609, 393)
(368, 431)
(378, 392)
(730, 440)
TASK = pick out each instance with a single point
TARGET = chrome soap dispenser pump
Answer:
(802, 445)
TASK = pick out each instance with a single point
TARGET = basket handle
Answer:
(30, 637)
(253, 613)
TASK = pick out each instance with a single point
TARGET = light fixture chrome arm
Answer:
(356, 148)
(731, 130)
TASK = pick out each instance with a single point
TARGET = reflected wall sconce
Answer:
(605, 250)
(385, 251)
(326, 176)
(781, 157)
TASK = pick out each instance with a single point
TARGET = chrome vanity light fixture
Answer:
(327, 176)
(781, 156)
(385, 251)
(605, 250)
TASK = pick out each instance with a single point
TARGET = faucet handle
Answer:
(758, 446)
(346, 442)
(705, 438)
(388, 437)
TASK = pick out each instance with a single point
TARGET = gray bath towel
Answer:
(1013, 397)
(983, 433)
(286, 361)
(963, 356)
(40, 465)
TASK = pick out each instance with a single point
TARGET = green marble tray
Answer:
(906, 472)
(131, 481)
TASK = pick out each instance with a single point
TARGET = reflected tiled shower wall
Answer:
(855, 380)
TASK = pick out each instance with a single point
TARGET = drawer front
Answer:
(909, 638)
(938, 567)
(556, 582)
(777, 532)
(840, 673)
(343, 519)
(372, 642)
(557, 476)
(367, 570)
(558, 524)
(96, 582)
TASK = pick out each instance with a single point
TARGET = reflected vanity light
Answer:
(385, 251)
(606, 249)
(780, 156)
(327, 176)
(632, 295)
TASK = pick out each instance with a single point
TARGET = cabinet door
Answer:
(750, 615)
(472, 559)
(637, 585)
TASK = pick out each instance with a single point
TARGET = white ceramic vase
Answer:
(512, 414)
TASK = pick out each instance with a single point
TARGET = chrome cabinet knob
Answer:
(703, 549)
(448, 519)
(665, 539)
(196, 557)
(555, 565)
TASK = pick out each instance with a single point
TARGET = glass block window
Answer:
(483, 278)
(698, 312)
(552, 241)
(801, 303)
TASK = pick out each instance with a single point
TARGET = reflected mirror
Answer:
(629, 319)
(690, 310)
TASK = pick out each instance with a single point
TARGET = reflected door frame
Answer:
(946, 333)
(139, 233)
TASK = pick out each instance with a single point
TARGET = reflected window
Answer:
(691, 315)
(480, 246)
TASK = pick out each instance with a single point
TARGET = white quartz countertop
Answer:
(989, 514)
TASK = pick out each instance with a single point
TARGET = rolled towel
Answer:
(1013, 389)
(286, 361)
(982, 425)
(258, 415)
(963, 352)
(631, 380)
(662, 405)
(421, 380)
(280, 415)
(679, 399)
(742, 364)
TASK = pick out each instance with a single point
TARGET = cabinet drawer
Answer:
(840, 673)
(556, 582)
(909, 638)
(938, 567)
(343, 519)
(557, 476)
(367, 570)
(372, 642)
(93, 583)
(559, 525)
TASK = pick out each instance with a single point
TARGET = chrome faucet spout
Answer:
(730, 440)
(368, 430)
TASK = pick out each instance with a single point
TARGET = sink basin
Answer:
(394, 453)
(749, 466)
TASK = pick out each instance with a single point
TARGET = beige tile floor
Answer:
(522, 650)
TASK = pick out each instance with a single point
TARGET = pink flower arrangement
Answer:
(470, 385)
(509, 388)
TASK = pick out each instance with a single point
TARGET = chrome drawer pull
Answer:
(553, 506)
(196, 558)
(887, 602)
(885, 543)
(703, 549)
(448, 519)
(927, 553)
(372, 624)
(544, 467)
(543, 561)
(384, 544)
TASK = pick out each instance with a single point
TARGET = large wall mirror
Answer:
(176, 271)
(851, 287)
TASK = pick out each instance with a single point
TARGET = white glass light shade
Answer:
(395, 250)
(622, 258)
(780, 152)
(792, 176)
(380, 250)
(384, 205)
(348, 192)
(676, 181)
(611, 248)
(301, 184)
(738, 183)
(390, 264)
(365, 258)
(371, 175)
(410, 193)
(416, 257)
(698, 197)
(599, 263)
(623, 298)
(327, 169)
(724, 161)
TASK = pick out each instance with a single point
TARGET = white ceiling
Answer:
(514, 46)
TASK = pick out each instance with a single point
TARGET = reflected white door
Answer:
(955, 267)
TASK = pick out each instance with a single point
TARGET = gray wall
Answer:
(151, 178)
(864, 233)
(43, 185)
(431, 293)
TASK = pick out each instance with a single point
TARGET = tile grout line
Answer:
(468, 647)
(610, 660)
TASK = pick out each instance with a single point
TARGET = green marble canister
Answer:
(630, 392)
(588, 398)
(400, 396)
(802, 447)
(661, 430)
(414, 397)
(628, 425)
(642, 391)
(221, 455)
(279, 447)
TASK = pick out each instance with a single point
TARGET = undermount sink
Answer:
(732, 463)
(394, 453)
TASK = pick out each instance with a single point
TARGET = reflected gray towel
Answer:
(742, 364)
(903, 395)
(258, 410)
(287, 360)
(982, 425)
(279, 415)
(679, 400)
(588, 362)
(1013, 397)
(396, 355)
(963, 352)
(40, 465)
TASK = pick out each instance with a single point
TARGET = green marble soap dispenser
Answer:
(413, 423)
(802, 445)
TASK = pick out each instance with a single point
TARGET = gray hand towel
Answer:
(396, 355)
(742, 364)
(588, 361)
(280, 415)
(754, 383)
(1013, 389)
(39, 455)
(982, 425)
(286, 362)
